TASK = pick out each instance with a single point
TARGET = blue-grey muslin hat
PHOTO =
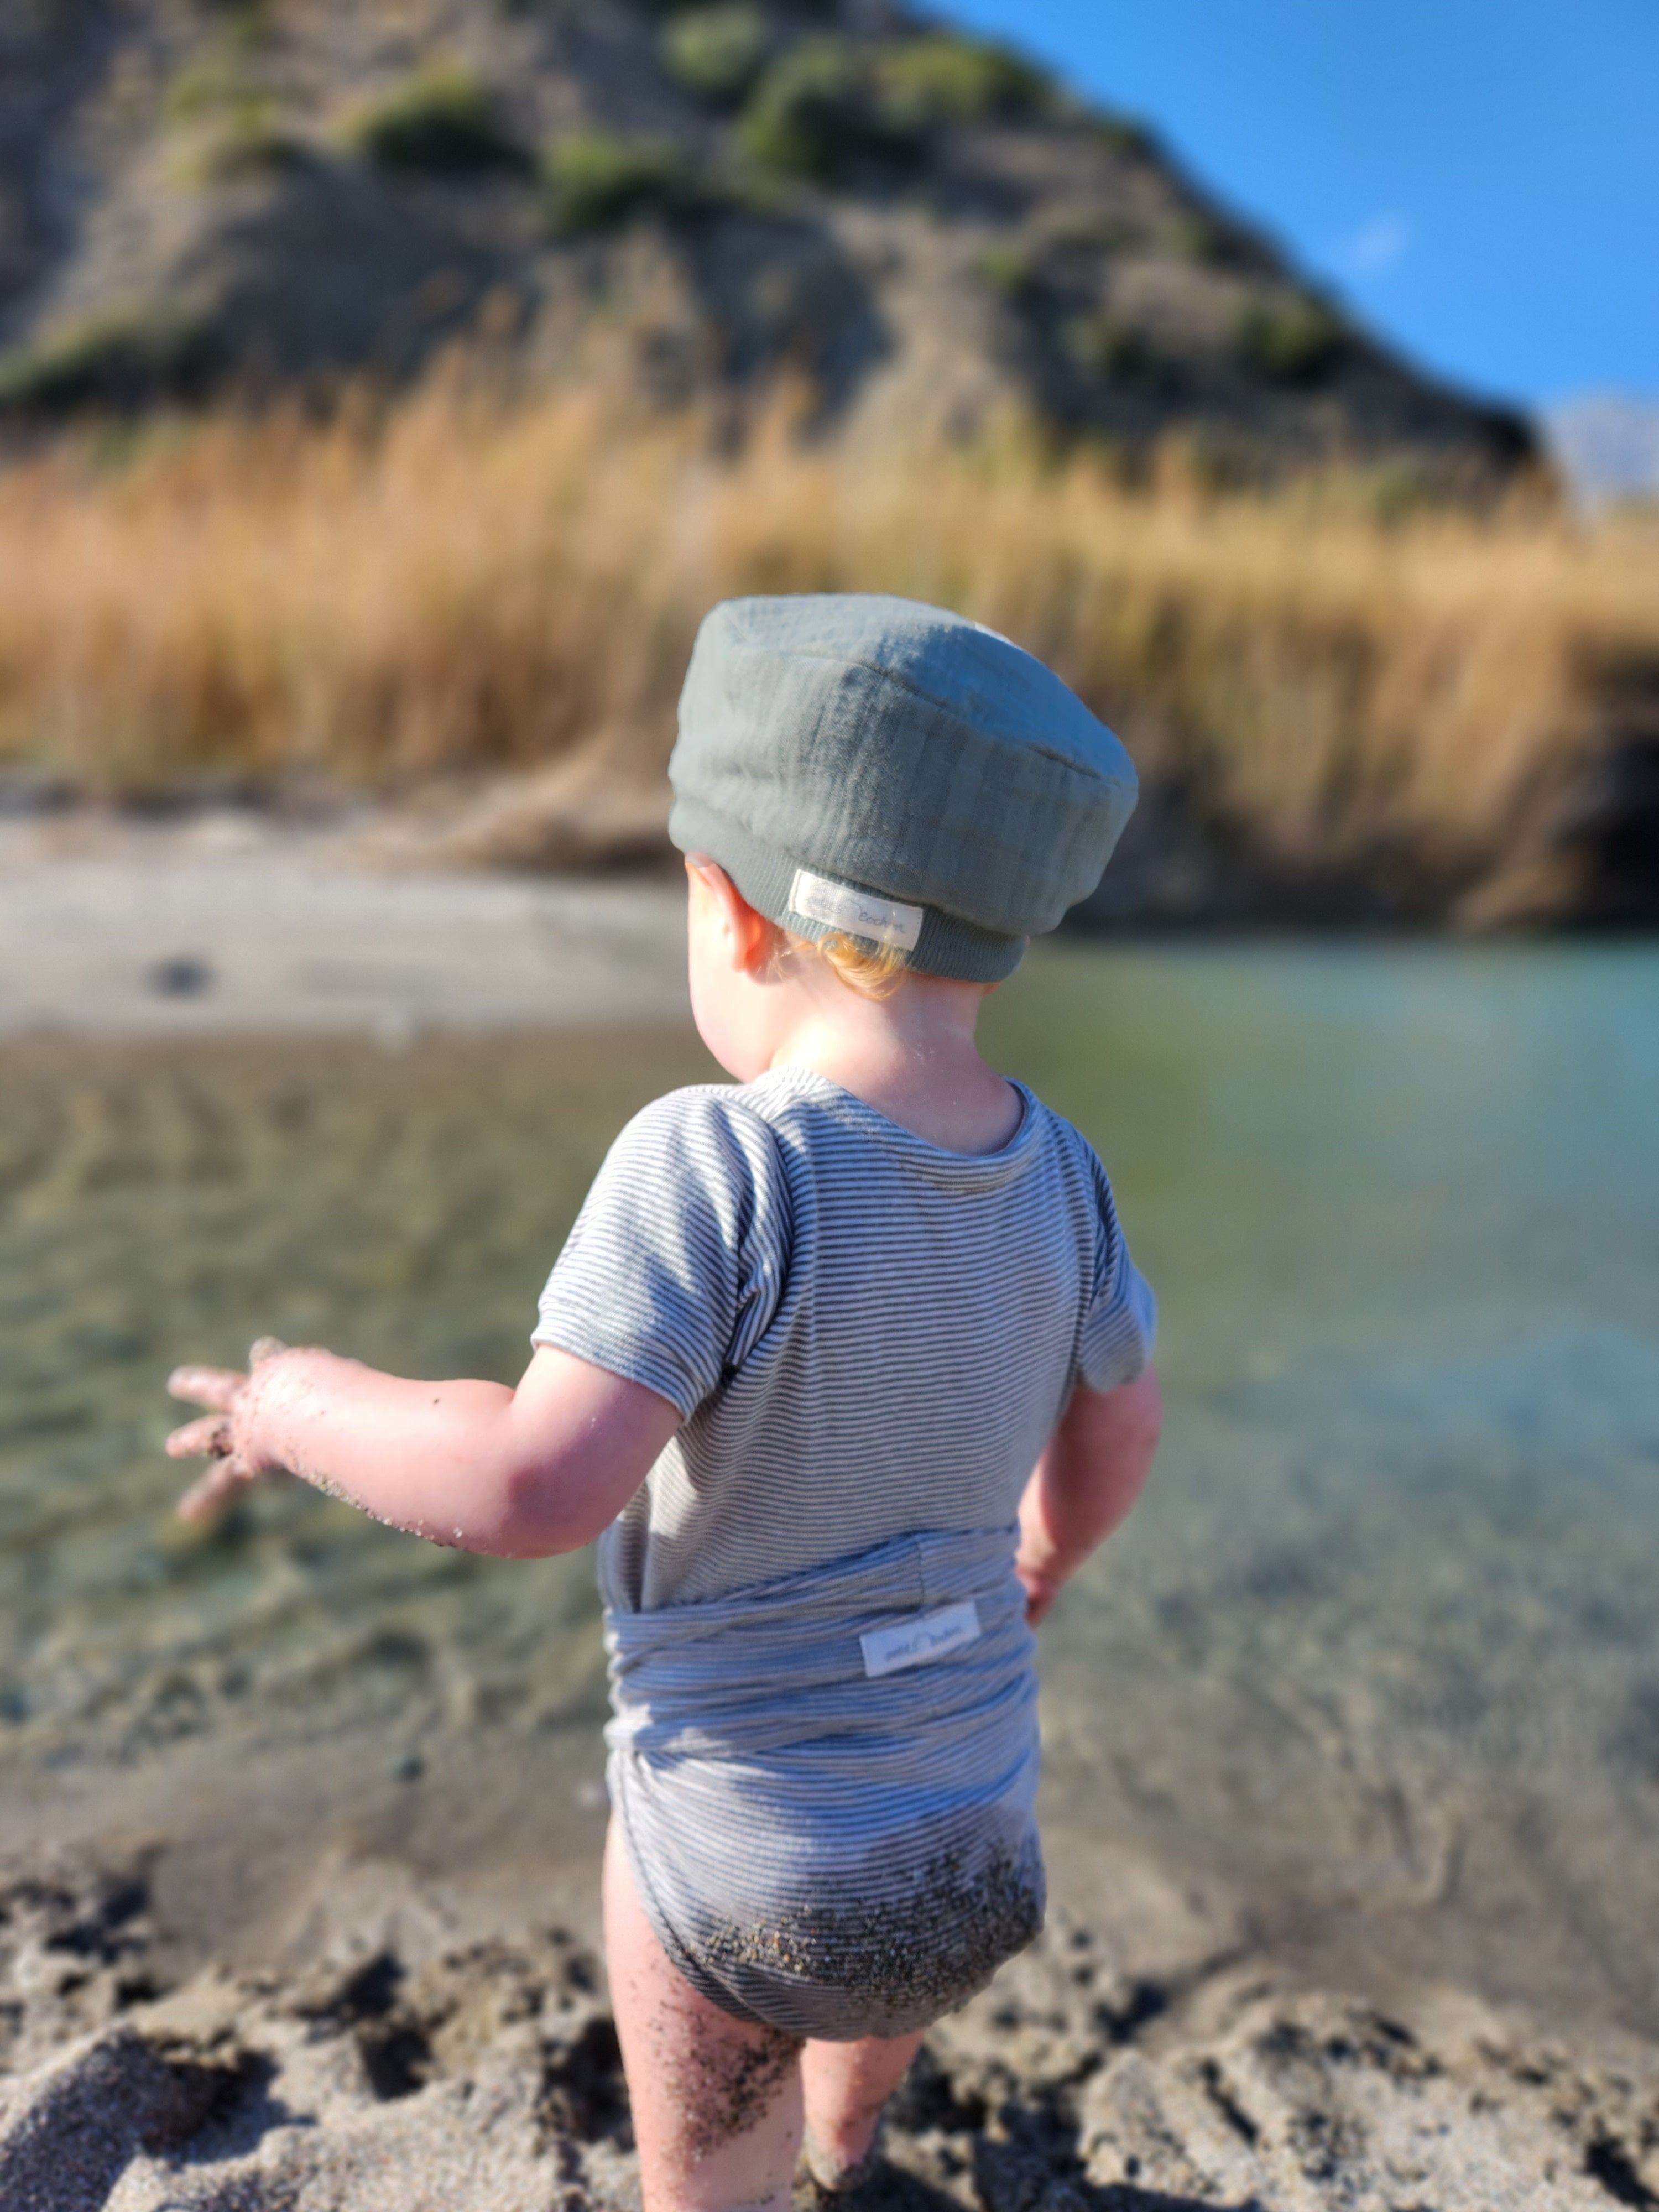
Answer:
(873, 767)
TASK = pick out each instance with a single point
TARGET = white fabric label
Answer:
(914, 1642)
(860, 913)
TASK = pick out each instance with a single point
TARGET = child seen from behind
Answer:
(844, 1364)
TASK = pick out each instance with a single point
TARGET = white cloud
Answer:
(1375, 246)
(1608, 444)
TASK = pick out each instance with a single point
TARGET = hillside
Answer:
(922, 231)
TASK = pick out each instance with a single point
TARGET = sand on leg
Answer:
(716, 2103)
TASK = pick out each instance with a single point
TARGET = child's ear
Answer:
(748, 934)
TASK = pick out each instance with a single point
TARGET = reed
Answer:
(453, 585)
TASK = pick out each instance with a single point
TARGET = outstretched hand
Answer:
(221, 1435)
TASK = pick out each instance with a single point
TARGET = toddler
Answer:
(844, 1364)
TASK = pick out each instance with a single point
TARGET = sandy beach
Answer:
(412, 2041)
(228, 919)
(354, 1967)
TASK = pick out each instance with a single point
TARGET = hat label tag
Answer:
(860, 913)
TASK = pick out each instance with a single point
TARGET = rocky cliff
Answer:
(921, 230)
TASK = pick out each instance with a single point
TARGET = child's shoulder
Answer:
(710, 1133)
(740, 1111)
(696, 1108)
(1049, 1127)
(1079, 1165)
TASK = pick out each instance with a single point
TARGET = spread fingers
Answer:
(213, 1492)
(206, 1386)
(211, 1435)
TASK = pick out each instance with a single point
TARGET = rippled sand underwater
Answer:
(158, 1202)
(1380, 1646)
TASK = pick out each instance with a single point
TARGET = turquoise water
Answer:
(1384, 1636)
(1381, 1648)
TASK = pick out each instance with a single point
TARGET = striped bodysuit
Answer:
(823, 1752)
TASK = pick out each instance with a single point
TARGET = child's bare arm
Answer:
(516, 1474)
(1093, 1472)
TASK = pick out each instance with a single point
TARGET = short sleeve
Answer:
(1120, 1327)
(677, 1260)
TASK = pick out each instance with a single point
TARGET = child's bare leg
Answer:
(845, 2086)
(717, 2103)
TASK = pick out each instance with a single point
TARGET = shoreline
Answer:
(232, 920)
(241, 920)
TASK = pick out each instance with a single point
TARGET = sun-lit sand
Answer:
(420, 2043)
(232, 920)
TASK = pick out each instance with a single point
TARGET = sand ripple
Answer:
(396, 2075)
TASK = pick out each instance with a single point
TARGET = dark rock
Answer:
(1595, 865)
(1612, 827)
(180, 976)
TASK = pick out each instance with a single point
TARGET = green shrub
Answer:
(246, 23)
(1198, 239)
(228, 113)
(202, 88)
(117, 357)
(442, 120)
(1113, 352)
(944, 78)
(1297, 340)
(824, 104)
(818, 108)
(248, 141)
(717, 53)
(1007, 268)
(597, 180)
(808, 112)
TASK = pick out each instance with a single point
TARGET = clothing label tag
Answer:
(914, 1642)
(860, 913)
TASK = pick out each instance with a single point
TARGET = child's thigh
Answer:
(716, 2102)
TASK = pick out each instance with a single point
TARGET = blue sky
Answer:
(1479, 178)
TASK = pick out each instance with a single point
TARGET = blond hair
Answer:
(874, 971)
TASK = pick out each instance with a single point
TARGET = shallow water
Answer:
(1382, 1639)
(1380, 1647)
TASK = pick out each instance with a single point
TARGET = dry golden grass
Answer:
(454, 585)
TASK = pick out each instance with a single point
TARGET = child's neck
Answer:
(911, 1057)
